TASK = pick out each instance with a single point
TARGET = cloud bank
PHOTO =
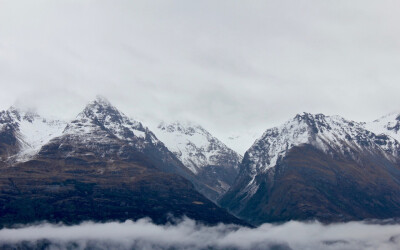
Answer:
(242, 65)
(187, 234)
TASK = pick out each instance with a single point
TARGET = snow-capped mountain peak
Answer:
(332, 139)
(331, 134)
(99, 109)
(204, 155)
(313, 155)
(101, 113)
(195, 146)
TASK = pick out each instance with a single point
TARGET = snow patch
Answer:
(31, 130)
(194, 145)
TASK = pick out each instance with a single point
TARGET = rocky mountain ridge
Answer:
(311, 167)
(331, 134)
(103, 166)
(318, 153)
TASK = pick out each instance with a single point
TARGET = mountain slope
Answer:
(103, 166)
(208, 158)
(317, 167)
(107, 132)
(203, 154)
(387, 125)
(83, 188)
(23, 133)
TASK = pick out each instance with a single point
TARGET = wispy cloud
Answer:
(143, 234)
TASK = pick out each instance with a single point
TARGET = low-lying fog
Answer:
(143, 234)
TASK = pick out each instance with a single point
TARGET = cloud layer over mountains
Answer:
(228, 65)
(187, 234)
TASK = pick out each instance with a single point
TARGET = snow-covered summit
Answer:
(101, 114)
(331, 134)
(102, 131)
(195, 146)
(387, 125)
(30, 130)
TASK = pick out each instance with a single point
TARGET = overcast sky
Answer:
(229, 65)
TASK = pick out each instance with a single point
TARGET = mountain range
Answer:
(318, 167)
(103, 165)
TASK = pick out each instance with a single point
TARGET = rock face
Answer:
(103, 166)
(204, 155)
(317, 167)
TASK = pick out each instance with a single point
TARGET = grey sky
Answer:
(229, 65)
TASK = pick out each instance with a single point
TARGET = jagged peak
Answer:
(195, 146)
(327, 133)
(101, 114)
(104, 111)
(309, 125)
(315, 122)
(100, 109)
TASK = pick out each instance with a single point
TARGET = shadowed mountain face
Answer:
(80, 189)
(8, 144)
(317, 167)
(102, 167)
